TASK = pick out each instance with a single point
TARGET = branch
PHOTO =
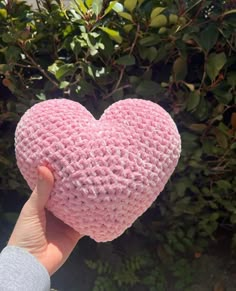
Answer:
(135, 39)
(123, 68)
(116, 90)
(38, 5)
(36, 65)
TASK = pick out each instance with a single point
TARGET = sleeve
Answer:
(19, 270)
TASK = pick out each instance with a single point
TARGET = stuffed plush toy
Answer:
(107, 172)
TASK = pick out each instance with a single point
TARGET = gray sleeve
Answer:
(19, 270)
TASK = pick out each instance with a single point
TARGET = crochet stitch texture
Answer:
(108, 171)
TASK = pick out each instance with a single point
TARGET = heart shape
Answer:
(108, 171)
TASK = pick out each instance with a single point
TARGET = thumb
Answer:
(40, 195)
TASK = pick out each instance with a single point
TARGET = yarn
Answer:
(107, 172)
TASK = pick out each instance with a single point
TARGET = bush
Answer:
(180, 54)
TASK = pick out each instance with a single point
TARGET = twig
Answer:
(135, 39)
(123, 68)
(116, 90)
(195, 4)
(195, 16)
(120, 78)
(23, 66)
(38, 5)
(203, 78)
(37, 65)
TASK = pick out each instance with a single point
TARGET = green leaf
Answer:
(215, 63)
(146, 88)
(84, 88)
(127, 60)
(233, 146)
(4, 68)
(97, 6)
(152, 54)
(8, 37)
(233, 218)
(148, 53)
(156, 11)
(173, 18)
(89, 3)
(222, 127)
(208, 37)
(193, 100)
(140, 2)
(118, 7)
(3, 13)
(126, 16)
(118, 95)
(41, 96)
(64, 84)
(223, 96)
(162, 30)
(134, 80)
(53, 68)
(12, 54)
(231, 78)
(221, 139)
(159, 21)
(80, 4)
(75, 45)
(190, 86)
(130, 4)
(90, 71)
(113, 34)
(180, 68)
(114, 5)
(180, 188)
(64, 70)
(230, 19)
(224, 184)
(128, 27)
(214, 216)
(150, 40)
(76, 16)
(179, 247)
(202, 110)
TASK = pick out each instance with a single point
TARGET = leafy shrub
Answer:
(180, 54)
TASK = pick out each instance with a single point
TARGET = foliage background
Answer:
(180, 54)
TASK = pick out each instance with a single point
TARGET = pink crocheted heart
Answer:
(107, 171)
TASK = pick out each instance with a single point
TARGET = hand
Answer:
(39, 232)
